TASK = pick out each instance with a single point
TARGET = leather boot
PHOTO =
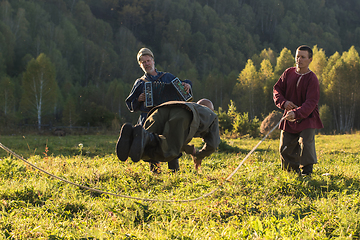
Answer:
(141, 139)
(173, 165)
(124, 142)
(307, 170)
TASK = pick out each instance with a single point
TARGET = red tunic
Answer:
(304, 91)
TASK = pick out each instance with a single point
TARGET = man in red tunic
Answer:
(297, 92)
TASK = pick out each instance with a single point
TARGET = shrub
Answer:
(237, 123)
(243, 125)
(225, 121)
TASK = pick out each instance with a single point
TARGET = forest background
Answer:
(73, 62)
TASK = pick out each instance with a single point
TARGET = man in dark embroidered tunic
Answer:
(135, 100)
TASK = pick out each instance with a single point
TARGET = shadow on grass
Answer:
(314, 188)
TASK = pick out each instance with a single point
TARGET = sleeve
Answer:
(211, 139)
(279, 90)
(131, 101)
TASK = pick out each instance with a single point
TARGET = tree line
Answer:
(73, 62)
(338, 78)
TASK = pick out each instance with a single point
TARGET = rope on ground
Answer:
(139, 198)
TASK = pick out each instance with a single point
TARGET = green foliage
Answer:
(342, 95)
(237, 123)
(93, 44)
(243, 125)
(326, 118)
(11, 169)
(284, 61)
(39, 89)
(225, 121)
(254, 127)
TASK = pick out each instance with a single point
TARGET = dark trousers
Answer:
(297, 150)
(173, 165)
(172, 125)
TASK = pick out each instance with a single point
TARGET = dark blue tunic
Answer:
(132, 100)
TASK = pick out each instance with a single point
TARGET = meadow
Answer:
(259, 202)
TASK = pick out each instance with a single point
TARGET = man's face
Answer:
(302, 59)
(147, 64)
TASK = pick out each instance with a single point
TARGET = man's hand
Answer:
(191, 149)
(141, 97)
(289, 105)
(186, 86)
(290, 116)
(197, 163)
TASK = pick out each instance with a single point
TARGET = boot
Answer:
(141, 139)
(173, 165)
(307, 170)
(124, 142)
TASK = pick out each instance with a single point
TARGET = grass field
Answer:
(259, 202)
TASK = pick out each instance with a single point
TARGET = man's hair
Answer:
(306, 48)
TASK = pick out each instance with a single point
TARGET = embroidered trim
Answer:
(297, 84)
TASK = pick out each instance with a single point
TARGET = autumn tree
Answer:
(319, 62)
(247, 86)
(284, 61)
(341, 85)
(268, 54)
(318, 66)
(266, 77)
(39, 89)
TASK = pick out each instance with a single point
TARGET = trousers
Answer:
(172, 125)
(297, 150)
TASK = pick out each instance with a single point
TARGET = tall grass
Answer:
(259, 202)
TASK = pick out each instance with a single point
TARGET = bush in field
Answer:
(237, 123)
(269, 123)
(243, 125)
(225, 121)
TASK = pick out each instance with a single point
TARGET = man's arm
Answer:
(191, 149)
(279, 93)
(212, 141)
(133, 101)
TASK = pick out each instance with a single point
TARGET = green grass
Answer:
(259, 202)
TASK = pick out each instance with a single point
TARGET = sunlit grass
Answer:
(259, 202)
